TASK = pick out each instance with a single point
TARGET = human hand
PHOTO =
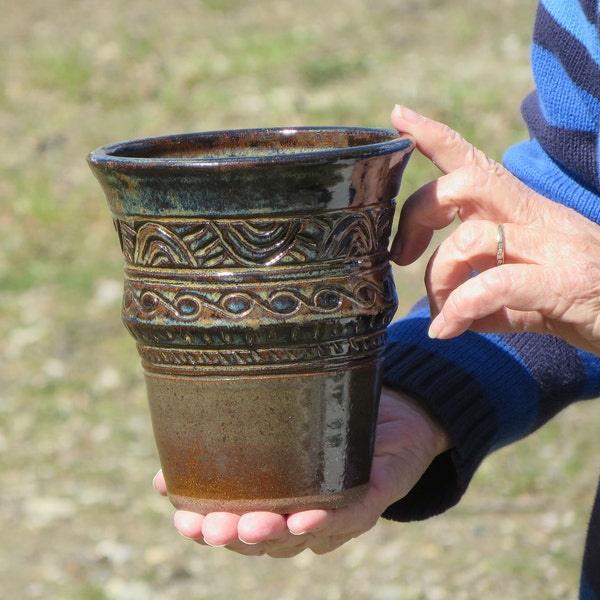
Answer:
(407, 440)
(550, 282)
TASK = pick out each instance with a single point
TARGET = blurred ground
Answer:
(78, 514)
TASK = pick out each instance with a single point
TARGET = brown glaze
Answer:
(264, 441)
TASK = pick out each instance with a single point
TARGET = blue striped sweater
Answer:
(491, 390)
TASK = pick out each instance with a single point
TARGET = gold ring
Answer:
(500, 249)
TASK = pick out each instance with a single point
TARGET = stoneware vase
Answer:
(258, 289)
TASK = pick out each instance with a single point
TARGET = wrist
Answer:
(435, 436)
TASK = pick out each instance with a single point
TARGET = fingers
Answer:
(327, 525)
(260, 526)
(255, 534)
(221, 528)
(468, 193)
(159, 483)
(463, 299)
(473, 187)
(438, 142)
(251, 534)
(473, 247)
(420, 216)
(189, 524)
(501, 299)
(307, 521)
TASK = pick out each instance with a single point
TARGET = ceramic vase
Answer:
(258, 290)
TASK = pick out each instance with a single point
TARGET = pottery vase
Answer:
(258, 290)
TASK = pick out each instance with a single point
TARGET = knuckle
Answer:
(453, 138)
(479, 175)
(474, 158)
(470, 237)
(500, 281)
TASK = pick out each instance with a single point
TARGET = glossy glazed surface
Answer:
(258, 289)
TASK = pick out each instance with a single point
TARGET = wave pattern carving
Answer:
(288, 240)
(189, 305)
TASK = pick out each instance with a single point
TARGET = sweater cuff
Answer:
(458, 402)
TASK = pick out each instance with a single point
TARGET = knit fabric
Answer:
(491, 390)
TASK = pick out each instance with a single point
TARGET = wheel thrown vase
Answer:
(258, 290)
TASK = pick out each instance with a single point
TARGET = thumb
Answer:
(438, 142)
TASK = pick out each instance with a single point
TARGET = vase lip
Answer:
(251, 147)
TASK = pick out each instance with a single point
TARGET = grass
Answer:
(79, 517)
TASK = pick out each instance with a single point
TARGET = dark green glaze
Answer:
(259, 290)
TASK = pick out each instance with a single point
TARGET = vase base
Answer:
(276, 505)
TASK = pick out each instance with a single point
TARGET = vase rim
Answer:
(251, 147)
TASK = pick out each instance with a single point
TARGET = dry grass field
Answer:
(78, 514)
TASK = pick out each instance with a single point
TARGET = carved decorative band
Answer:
(285, 333)
(176, 243)
(190, 303)
(324, 356)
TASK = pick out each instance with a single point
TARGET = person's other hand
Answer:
(407, 440)
(550, 282)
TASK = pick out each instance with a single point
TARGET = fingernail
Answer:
(396, 250)
(436, 327)
(410, 115)
(247, 543)
(297, 532)
(214, 545)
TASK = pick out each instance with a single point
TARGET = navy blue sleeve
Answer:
(486, 390)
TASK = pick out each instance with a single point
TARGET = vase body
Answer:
(258, 290)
